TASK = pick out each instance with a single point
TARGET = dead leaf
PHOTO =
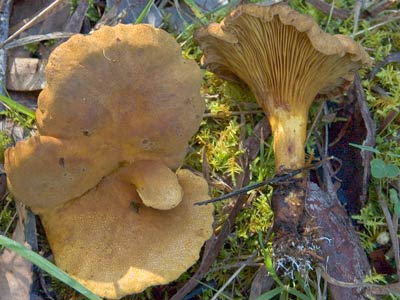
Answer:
(15, 271)
(26, 74)
(261, 284)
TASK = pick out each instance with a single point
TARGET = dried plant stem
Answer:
(337, 13)
(390, 19)
(391, 228)
(5, 8)
(330, 14)
(36, 19)
(315, 122)
(37, 38)
(357, 11)
(232, 113)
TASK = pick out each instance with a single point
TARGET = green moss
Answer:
(220, 139)
(5, 142)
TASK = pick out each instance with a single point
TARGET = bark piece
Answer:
(339, 243)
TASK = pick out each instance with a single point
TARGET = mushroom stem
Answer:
(156, 184)
(289, 128)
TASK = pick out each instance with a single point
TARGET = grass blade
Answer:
(144, 12)
(270, 294)
(47, 266)
(196, 10)
(15, 106)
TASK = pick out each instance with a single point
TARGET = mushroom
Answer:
(123, 94)
(287, 61)
(114, 121)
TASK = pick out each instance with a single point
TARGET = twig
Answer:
(342, 132)
(338, 13)
(37, 38)
(36, 19)
(326, 143)
(379, 7)
(237, 265)
(376, 289)
(391, 228)
(391, 58)
(357, 11)
(5, 8)
(330, 14)
(228, 282)
(370, 139)
(231, 113)
(387, 289)
(388, 20)
(263, 183)
(334, 281)
(251, 187)
(314, 124)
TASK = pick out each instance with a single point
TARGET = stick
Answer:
(263, 183)
(4, 19)
(36, 19)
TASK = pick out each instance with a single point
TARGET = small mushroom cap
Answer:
(284, 57)
(120, 247)
(120, 95)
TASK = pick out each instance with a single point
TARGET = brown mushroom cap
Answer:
(281, 54)
(45, 172)
(104, 87)
(120, 95)
(121, 247)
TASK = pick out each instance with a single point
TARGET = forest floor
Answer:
(233, 147)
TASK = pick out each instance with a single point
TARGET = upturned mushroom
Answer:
(287, 61)
(114, 121)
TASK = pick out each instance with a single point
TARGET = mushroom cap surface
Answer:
(120, 95)
(44, 171)
(282, 55)
(121, 247)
